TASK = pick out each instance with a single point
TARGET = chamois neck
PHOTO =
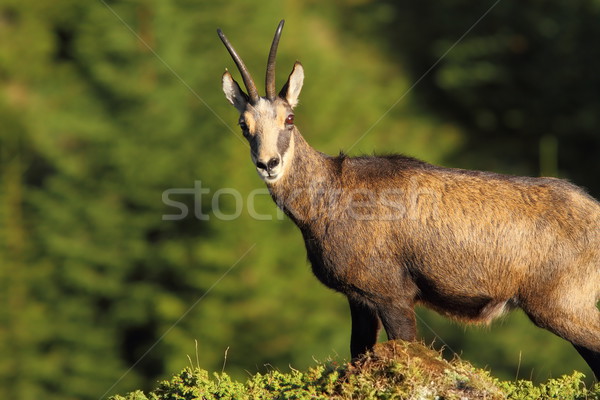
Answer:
(298, 192)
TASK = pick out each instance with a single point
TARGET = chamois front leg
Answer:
(398, 318)
(365, 328)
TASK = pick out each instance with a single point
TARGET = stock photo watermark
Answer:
(215, 199)
(362, 204)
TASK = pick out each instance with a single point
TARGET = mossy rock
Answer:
(412, 371)
(394, 370)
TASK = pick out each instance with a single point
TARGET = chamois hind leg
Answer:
(575, 321)
(365, 328)
(592, 358)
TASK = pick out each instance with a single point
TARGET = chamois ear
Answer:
(291, 89)
(234, 93)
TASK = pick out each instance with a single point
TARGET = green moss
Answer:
(567, 387)
(396, 370)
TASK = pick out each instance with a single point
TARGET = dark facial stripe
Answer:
(283, 141)
(254, 143)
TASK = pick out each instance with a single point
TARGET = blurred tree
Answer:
(105, 107)
(523, 82)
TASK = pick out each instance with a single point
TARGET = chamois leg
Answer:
(398, 320)
(577, 324)
(365, 328)
(592, 358)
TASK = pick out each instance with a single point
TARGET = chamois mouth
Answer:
(269, 176)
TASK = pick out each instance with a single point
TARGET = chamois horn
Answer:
(250, 86)
(270, 78)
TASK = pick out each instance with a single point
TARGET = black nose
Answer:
(272, 163)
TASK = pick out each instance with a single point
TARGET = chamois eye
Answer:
(289, 120)
(244, 127)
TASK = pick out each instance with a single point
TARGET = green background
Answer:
(105, 105)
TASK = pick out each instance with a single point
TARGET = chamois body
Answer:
(391, 232)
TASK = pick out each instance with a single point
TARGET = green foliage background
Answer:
(105, 105)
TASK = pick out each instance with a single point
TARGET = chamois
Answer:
(390, 232)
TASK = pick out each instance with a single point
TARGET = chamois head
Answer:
(267, 122)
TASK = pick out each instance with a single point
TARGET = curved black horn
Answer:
(270, 79)
(250, 86)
